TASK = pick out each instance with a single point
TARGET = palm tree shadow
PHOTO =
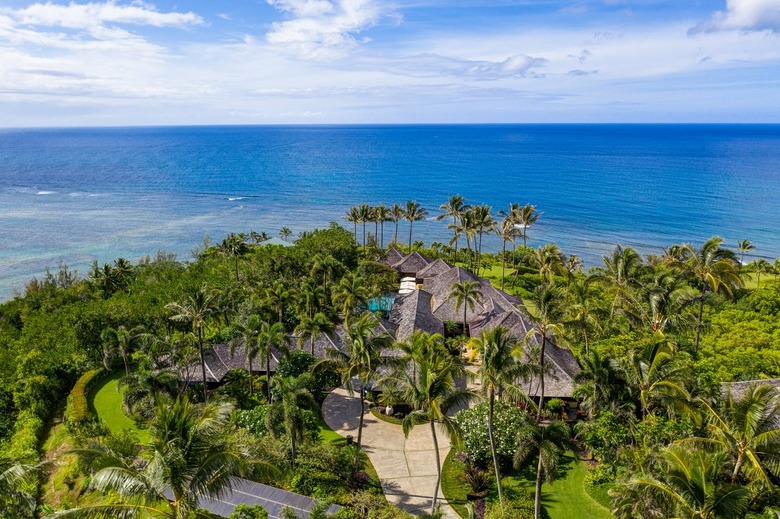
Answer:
(527, 475)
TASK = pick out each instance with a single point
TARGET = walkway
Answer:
(405, 466)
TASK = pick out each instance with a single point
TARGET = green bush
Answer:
(599, 475)
(249, 512)
(23, 444)
(518, 504)
(77, 409)
(507, 420)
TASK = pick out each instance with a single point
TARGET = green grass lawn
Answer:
(107, 402)
(329, 435)
(565, 498)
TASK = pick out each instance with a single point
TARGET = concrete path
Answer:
(405, 466)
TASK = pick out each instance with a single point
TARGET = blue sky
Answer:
(410, 61)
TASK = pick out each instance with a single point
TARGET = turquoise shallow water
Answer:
(81, 194)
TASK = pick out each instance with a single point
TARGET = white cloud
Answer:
(322, 29)
(744, 15)
(84, 16)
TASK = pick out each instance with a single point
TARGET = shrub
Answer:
(23, 444)
(507, 420)
(599, 475)
(77, 408)
(243, 511)
(518, 504)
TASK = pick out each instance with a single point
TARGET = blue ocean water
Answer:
(75, 195)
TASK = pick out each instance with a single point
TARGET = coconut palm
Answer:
(621, 275)
(364, 212)
(432, 395)
(312, 327)
(14, 501)
(233, 247)
(278, 298)
(600, 384)
(714, 269)
(466, 294)
(453, 208)
(747, 427)
(120, 340)
(382, 214)
(396, 215)
(547, 310)
(526, 217)
(761, 266)
(413, 212)
(484, 223)
(584, 314)
(549, 260)
(548, 443)
(195, 454)
(350, 293)
(196, 310)
(358, 361)
(327, 266)
(294, 397)
(353, 216)
(688, 486)
(285, 233)
(417, 347)
(744, 246)
(661, 303)
(269, 337)
(247, 336)
(507, 231)
(499, 372)
(311, 296)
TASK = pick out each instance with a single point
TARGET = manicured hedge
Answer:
(77, 409)
(23, 444)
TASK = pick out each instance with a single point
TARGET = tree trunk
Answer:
(585, 334)
(237, 280)
(249, 371)
(698, 323)
(202, 365)
(479, 253)
(395, 234)
(738, 466)
(410, 236)
(268, 374)
(312, 345)
(360, 432)
(541, 380)
(538, 494)
(355, 224)
(124, 359)
(438, 467)
(525, 235)
(503, 260)
(493, 448)
(292, 449)
(382, 237)
(364, 235)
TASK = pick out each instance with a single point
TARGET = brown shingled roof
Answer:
(413, 312)
(412, 264)
(394, 256)
(219, 361)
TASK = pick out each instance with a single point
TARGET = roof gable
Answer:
(412, 264)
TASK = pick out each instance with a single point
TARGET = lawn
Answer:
(107, 402)
(565, 498)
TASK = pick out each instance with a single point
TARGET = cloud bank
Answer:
(743, 15)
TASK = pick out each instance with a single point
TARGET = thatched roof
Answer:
(412, 264)
(434, 269)
(393, 256)
(218, 362)
(413, 312)
(322, 343)
(739, 389)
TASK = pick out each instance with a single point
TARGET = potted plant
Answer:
(389, 398)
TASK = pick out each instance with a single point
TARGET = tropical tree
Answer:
(382, 215)
(453, 208)
(600, 384)
(278, 298)
(358, 360)
(484, 223)
(583, 312)
(499, 371)
(247, 336)
(285, 233)
(761, 266)
(396, 215)
(432, 395)
(548, 443)
(417, 347)
(327, 266)
(466, 294)
(549, 260)
(714, 269)
(312, 327)
(294, 398)
(195, 454)
(353, 216)
(120, 340)
(688, 486)
(311, 296)
(14, 478)
(507, 231)
(621, 275)
(747, 427)
(364, 211)
(234, 247)
(547, 310)
(413, 212)
(350, 293)
(744, 246)
(527, 216)
(269, 337)
(196, 310)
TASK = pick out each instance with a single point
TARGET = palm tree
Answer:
(278, 298)
(546, 310)
(748, 429)
(396, 215)
(353, 216)
(247, 336)
(364, 210)
(195, 455)
(584, 315)
(313, 327)
(620, 274)
(358, 359)
(744, 246)
(382, 214)
(413, 212)
(466, 294)
(285, 233)
(271, 336)
(233, 246)
(14, 501)
(549, 260)
(689, 487)
(295, 397)
(328, 266)
(499, 371)
(714, 269)
(432, 395)
(196, 310)
(761, 266)
(507, 231)
(312, 296)
(548, 442)
(454, 206)
(120, 340)
(419, 346)
(350, 293)
(527, 216)
(484, 223)
(599, 383)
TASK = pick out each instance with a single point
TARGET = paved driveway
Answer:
(405, 466)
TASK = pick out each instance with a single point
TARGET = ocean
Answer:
(78, 195)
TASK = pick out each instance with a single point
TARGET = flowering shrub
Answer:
(507, 420)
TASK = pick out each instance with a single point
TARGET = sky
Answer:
(118, 63)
